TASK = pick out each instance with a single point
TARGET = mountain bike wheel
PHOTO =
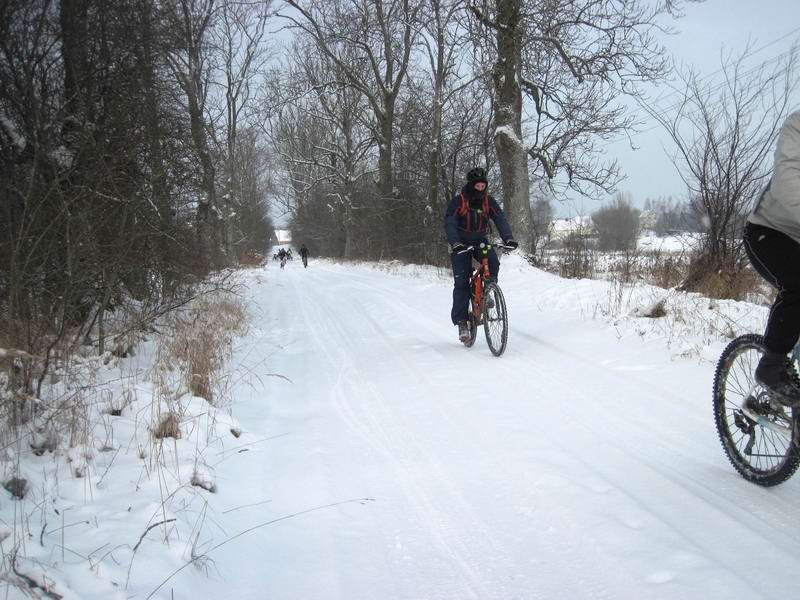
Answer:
(758, 435)
(495, 319)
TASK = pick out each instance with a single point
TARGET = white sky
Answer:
(700, 37)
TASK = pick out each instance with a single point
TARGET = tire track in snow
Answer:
(375, 435)
(591, 579)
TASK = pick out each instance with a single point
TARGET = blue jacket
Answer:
(467, 220)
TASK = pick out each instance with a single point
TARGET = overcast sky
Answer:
(771, 25)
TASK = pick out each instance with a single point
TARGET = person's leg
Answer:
(494, 264)
(775, 256)
(461, 270)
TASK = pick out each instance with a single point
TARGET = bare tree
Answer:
(724, 135)
(239, 41)
(569, 60)
(441, 39)
(190, 23)
(378, 34)
(343, 146)
(88, 131)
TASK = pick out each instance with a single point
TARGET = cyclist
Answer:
(304, 255)
(466, 223)
(282, 255)
(772, 242)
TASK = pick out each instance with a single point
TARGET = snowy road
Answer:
(578, 465)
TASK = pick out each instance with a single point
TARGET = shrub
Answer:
(617, 225)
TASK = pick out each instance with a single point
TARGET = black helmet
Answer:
(476, 174)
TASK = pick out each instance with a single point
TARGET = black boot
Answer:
(772, 373)
(463, 331)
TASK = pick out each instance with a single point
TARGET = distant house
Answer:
(281, 237)
(563, 228)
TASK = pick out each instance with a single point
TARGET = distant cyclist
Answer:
(282, 256)
(466, 223)
(772, 242)
(304, 255)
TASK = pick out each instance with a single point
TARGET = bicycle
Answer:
(488, 306)
(760, 436)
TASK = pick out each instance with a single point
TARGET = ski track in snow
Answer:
(575, 466)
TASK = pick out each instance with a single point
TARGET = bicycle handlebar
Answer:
(471, 247)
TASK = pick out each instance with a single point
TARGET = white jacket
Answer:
(779, 205)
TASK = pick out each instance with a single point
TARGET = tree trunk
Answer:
(508, 122)
(434, 164)
(158, 182)
(349, 247)
(385, 179)
(74, 42)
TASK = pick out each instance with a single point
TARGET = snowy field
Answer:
(684, 242)
(377, 458)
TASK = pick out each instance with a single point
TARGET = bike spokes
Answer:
(495, 319)
(757, 433)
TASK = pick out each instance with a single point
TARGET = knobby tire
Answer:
(759, 454)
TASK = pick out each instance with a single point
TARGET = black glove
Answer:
(458, 248)
(511, 244)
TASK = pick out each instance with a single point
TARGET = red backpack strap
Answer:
(463, 208)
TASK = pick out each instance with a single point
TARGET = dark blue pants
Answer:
(462, 269)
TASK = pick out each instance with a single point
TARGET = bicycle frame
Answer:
(479, 277)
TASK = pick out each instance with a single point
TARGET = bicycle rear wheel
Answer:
(495, 319)
(758, 435)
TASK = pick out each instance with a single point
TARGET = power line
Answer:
(753, 53)
(711, 90)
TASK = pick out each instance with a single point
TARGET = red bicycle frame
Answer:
(479, 276)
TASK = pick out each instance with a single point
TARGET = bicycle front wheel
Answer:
(495, 319)
(758, 435)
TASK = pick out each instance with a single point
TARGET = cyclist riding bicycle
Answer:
(466, 223)
(772, 242)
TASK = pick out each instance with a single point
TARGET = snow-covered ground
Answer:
(379, 458)
(682, 242)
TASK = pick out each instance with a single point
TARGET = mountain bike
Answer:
(760, 436)
(487, 304)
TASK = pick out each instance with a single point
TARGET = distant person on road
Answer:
(466, 223)
(282, 255)
(772, 242)
(304, 255)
